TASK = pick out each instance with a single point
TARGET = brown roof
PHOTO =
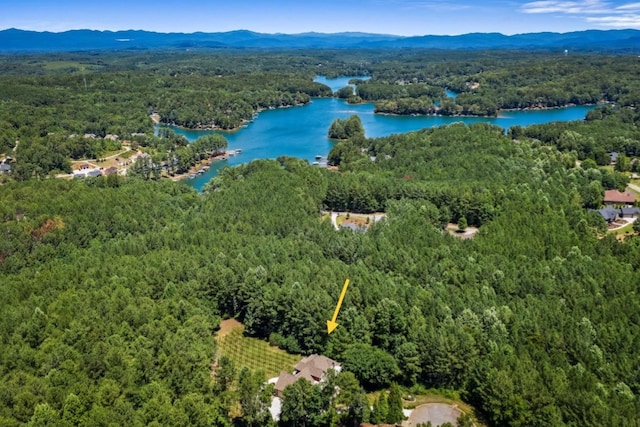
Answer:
(315, 366)
(614, 196)
(322, 363)
(111, 170)
(312, 368)
(285, 379)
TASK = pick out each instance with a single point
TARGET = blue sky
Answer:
(401, 17)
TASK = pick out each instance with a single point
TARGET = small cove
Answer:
(302, 131)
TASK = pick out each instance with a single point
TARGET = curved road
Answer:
(634, 187)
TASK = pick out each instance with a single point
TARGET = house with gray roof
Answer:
(613, 157)
(631, 212)
(5, 168)
(609, 213)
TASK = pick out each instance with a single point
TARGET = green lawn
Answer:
(360, 219)
(255, 354)
(624, 230)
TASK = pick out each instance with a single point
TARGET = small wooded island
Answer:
(112, 289)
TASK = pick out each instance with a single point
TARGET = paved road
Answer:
(634, 187)
(334, 220)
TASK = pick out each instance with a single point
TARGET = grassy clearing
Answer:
(127, 154)
(426, 396)
(360, 220)
(253, 353)
(628, 229)
(112, 153)
(622, 233)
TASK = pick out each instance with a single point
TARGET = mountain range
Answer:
(15, 41)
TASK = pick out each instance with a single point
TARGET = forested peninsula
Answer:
(112, 288)
(67, 107)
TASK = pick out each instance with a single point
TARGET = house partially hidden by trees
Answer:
(110, 171)
(313, 368)
(611, 214)
(617, 198)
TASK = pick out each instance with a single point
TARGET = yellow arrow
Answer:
(331, 324)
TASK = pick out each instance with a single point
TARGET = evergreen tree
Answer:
(395, 414)
(380, 410)
(224, 374)
(254, 396)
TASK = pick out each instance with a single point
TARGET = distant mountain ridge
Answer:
(15, 41)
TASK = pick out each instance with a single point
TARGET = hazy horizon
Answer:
(391, 17)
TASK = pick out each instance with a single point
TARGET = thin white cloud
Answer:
(586, 7)
(629, 7)
(599, 12)
(619, 21)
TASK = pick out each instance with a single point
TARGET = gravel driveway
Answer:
(437, 413)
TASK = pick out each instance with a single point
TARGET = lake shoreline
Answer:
(156, 119)
(193, 170)
(497, 116)
(302, 132)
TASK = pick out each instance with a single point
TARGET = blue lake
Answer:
(302, 131)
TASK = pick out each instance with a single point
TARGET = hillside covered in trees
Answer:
(72, 106)
(111, 290)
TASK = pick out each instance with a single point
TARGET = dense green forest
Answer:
(61, 107)
(486, 85)
(111, 288)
